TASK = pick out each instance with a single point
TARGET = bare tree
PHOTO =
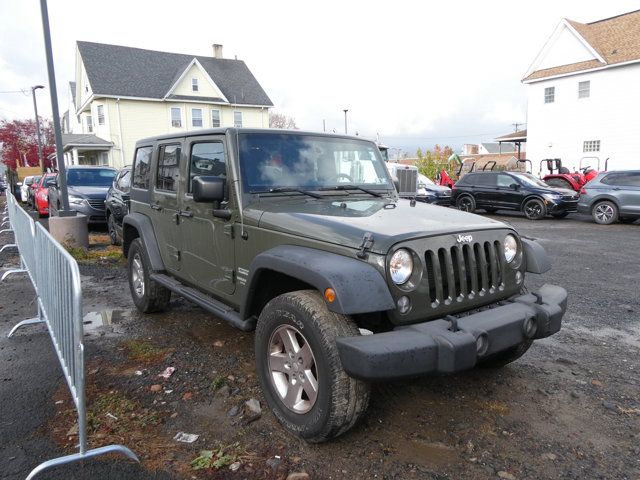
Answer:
(280, 120)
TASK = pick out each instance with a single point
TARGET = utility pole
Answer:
(35, 108)
(62, 171)
(516, 125)
(345, 120)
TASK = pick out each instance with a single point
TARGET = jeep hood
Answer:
(345, 221)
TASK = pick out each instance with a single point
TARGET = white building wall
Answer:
(610, 114)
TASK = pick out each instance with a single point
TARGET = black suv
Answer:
(117, 204)
(494, 191)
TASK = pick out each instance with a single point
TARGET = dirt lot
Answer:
(570, 408)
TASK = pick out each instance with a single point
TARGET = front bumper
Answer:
(559, 206)
(451, 345)
(93, 215)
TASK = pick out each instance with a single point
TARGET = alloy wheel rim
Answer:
(533, 210)
(604, 213)
(292, 369)
(465, 205)
(137, 275)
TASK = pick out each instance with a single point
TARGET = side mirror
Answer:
(208, 189)
(54, 183)
(515, 186)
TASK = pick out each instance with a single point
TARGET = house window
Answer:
(176, 117)
(196, 117)
(194, 84)
(549, 94)
(89, 124)
(237, 119)
(215, 118)
(168, 168)
(584, 89)
(100, 114)
(591, 146)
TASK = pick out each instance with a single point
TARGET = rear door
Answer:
(625, 186)
(164, 204)
(485, 189)
(208, 248)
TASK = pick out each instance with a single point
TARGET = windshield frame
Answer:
(530, 180)
(248, 141)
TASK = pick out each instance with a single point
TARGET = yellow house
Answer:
(123, 94)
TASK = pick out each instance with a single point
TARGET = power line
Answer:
(24, 92)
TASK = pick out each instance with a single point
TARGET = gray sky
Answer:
(417, 73)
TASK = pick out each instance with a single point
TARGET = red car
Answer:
(41, 194)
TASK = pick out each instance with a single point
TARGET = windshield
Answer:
(279, 161)
(424, 180)
(529, 179)
(90, 177)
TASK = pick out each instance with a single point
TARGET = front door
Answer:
(164, 205)
(507, 196)
(207, 242)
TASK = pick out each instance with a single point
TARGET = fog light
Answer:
(530, 327)
(404, 305)
(518, 277)
(482, 344)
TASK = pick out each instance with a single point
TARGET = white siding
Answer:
(566, 49)
(558, 130)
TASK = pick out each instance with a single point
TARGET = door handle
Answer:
(155, 206)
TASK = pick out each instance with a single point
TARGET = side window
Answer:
(505, 180)
(207, 158)
(628, 179)
(124, 182)
(142, 167)
(168, 168)
(485, 180)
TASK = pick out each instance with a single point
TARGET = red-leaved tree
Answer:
(19, 141)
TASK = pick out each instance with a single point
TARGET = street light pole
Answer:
(62, 171)
(345, 120)
(35, 108)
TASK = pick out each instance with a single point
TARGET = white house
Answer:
(584, 94)
(122, 94)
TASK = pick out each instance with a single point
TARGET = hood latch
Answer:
(367, 243)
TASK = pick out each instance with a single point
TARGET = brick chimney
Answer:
(217, 50)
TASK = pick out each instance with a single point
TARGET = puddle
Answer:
(428, 454)
(105, 322)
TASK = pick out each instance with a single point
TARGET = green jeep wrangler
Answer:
(302, 238)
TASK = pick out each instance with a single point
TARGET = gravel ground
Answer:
(570, 408)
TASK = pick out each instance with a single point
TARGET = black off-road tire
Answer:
(113, 232)
(501, 359)
(466, 203)
(605, 213)
(534, 209)
(150, 296)
(341, 400)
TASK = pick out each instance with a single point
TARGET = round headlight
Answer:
(401, 266)
(510, 248)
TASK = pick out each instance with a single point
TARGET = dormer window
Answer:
(194, 84)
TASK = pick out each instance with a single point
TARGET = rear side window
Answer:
(207, 158)
(168, 168)
(625, 179)
(484, 179)
(142, 167)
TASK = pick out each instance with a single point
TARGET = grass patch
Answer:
(218, 382)
(144, 351)
(112, 412)
(83, 254)
(219, 458)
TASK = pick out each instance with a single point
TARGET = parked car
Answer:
(302, 237)
(26, 185)
(435, 194)
(41, 194)
(412, 185)
(117, 204)
(32, 190)
(612, 196)
(494, 191)
(87, 188)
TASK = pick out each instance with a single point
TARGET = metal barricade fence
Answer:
(56, 279)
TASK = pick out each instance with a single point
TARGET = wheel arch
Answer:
(136, 225)
(359, 287)
(602, 198)
(531, 196)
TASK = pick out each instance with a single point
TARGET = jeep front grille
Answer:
(463, 272)
(407, 181)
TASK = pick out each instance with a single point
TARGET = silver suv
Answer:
(612, 196)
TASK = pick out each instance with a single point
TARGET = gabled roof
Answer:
(133, 72)
(613, 41)
(520, 135)
(83, 139)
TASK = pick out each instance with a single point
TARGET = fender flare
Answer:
(535, 257)
(359, 287)
(142, 224)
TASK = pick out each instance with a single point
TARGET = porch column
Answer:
(74, 151)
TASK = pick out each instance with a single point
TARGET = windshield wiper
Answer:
(352, 187)
(288, 190)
